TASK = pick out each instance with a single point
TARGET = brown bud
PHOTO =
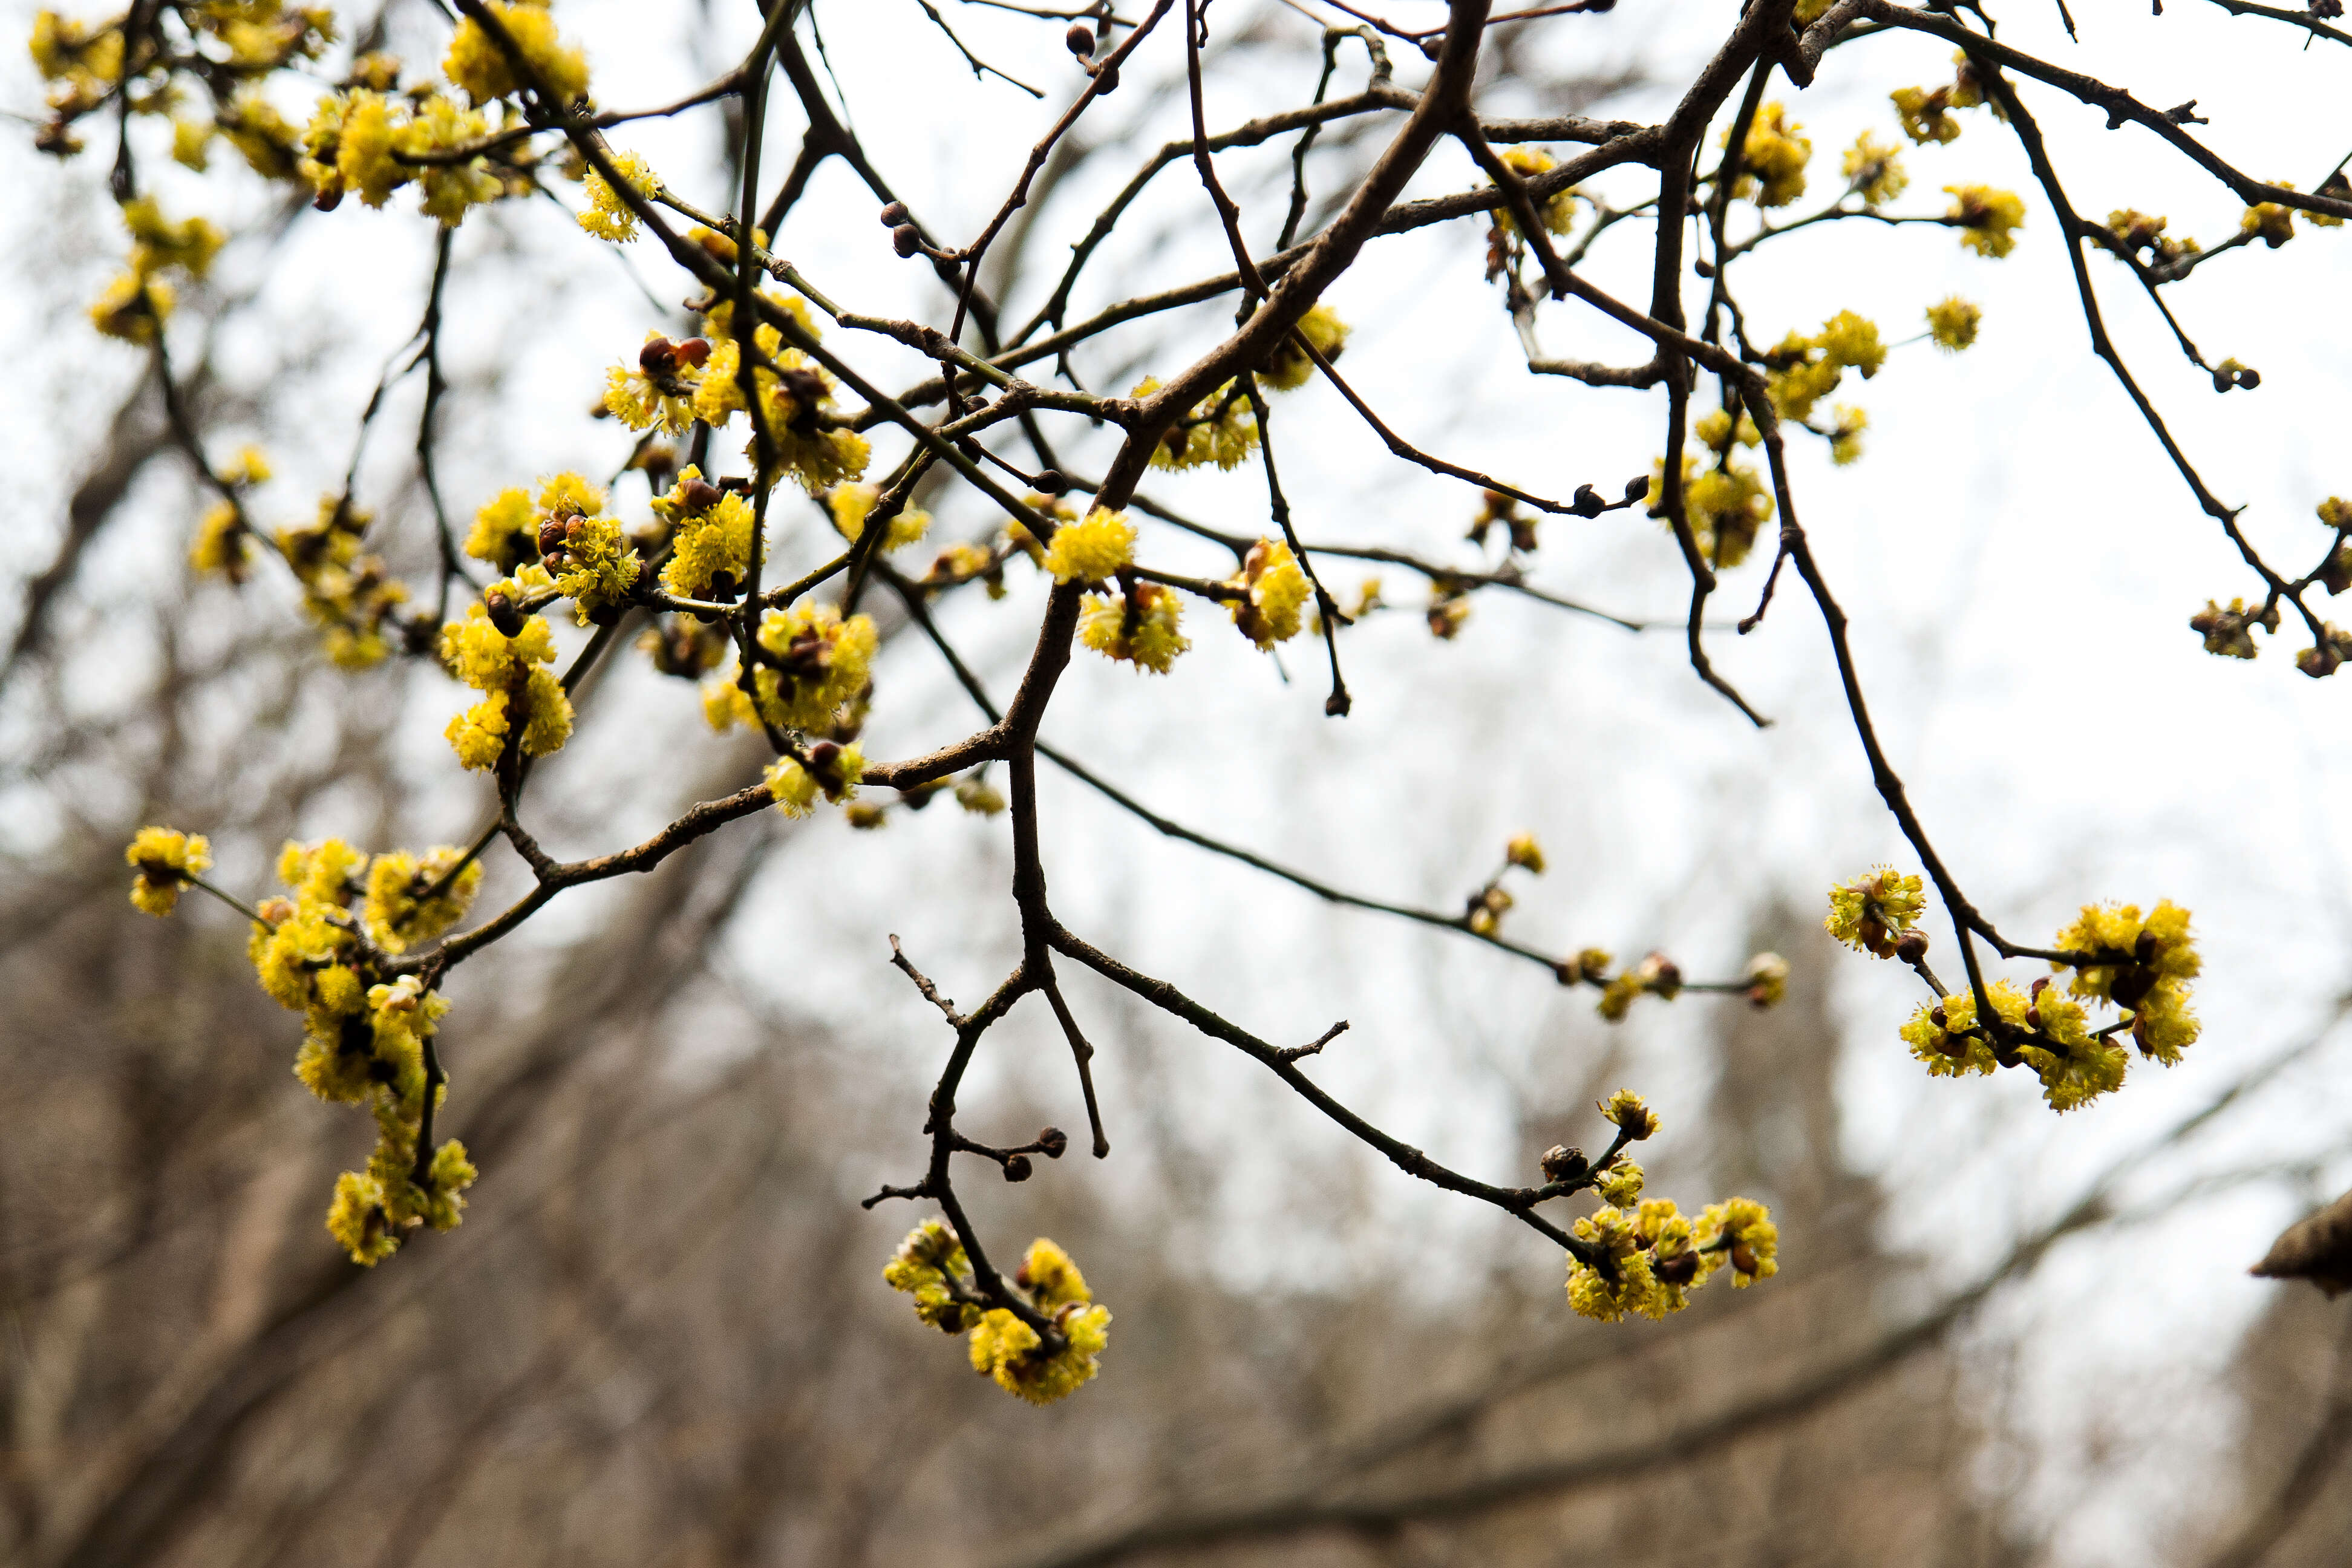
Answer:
(1052, 482)
(1679, 1270)
(503, 612)
(1018, 1168)
(1080, 39)
(1562, 1163)
(906, 239)
(1635, 488)
(807, 389)
(551, 536)
(699, 495)
(1052, 1142)
(694, 352)
(1106, 78)
(658, 357)
(1743, 1257)
(1912, 947)
(894, 215)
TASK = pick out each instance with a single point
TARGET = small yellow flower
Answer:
(1875, 170)
(1153, 640)
(1090, 550)
(1626, 1110)
(1772, 160)
(607, 216)
(1524, 852)
(1558, 211)
(1278, 589)
(1743, 1230)
(1952, 322)
(850, 504)
(833, 773)
(1870, 913)
(1925, 116)
(1291, 366)
(165, 859)
(477, 63)
(1988, 218)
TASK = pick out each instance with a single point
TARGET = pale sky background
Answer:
(2019, 558)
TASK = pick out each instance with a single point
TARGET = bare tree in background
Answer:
(655, 1338)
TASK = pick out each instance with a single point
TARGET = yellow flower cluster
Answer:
(661, 388)
(795, 397)
(1277, 589)
(350, 595)
(1875, 170)
(1805, 370)
(2142, 967)
(2074, 1066)
(358, 140)
(1988, 218)
(2229, 633)
(1290, 366)
(931, 1266)
(607, 216)
(411, 899)
(523, 702)
(585, 553)
(832, 772)
(223, 543)
(711, 547)
(1524, 852)
(1952, 322)
(2149, 962)
(817, 663)
(136, 304)
(166, 859)
(1090, 550)
(1558, 211)
(475, 62)
(1772, 160)
(84, 62)
(2134, 231)
(1144, 630)
(1727, 506)
(1870, 913)
(1925, 116)
(1222, 429)
(1647, 1259)
(362, 1041)
(849, 506)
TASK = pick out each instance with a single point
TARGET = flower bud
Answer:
(906, 239)
(1080, 39)
(1637, 489)
(1018, 1168)
(1562, 1163)
(1912, 946)
(1587, 502)
(1052, 482)
(1683, 1267)
(699, 495)
(503, 612)
(1052, 1142)
(1106, 78)
(894, 215)
(658, 357)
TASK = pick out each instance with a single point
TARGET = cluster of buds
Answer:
(2229, 633)
(1496, 509)
(661, 361)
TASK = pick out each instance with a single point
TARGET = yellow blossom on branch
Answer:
(166, 861)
